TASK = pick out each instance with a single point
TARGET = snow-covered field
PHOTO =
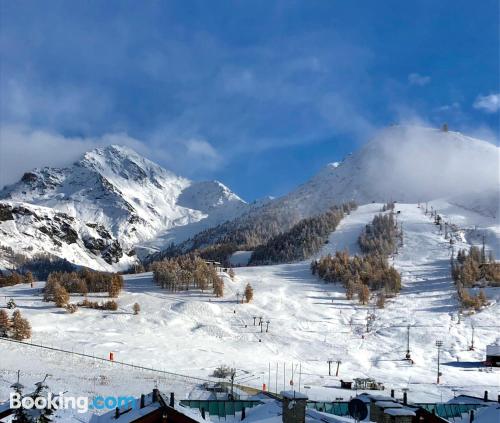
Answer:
(309, 322)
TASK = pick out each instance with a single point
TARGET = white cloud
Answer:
(448, 107)
(201, 149)
(488, 103)
(417, 79)
(22, 149)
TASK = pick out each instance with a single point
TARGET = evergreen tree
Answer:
(20, 327)
(115, 286)
(61, 296)
(48, 291)
(248, 293)
(219, 287)
(20, 414)
(381, 300)
(364, 294)
(4, 324)
(28, 277)
(351, 289)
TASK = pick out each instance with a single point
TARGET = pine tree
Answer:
(41, 391)
(20, 327)
(350, 290)
(364, 294)
(381, 300)
(20, 414)
(61, 296)
(219, 287)
(4, 324)
(48, 291)
(28, 277)
(136, 308)
(115, 286)
(248, 293)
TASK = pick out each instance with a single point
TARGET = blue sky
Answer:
(257, 94)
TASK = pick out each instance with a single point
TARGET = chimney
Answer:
(156, 395)
(294, 407)
(143, 401)
(405, 398)
(486, 395)
(392, 393)
(172, 400)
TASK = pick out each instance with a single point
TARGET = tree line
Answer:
(187, 272)
(371, 271)
(358, 274)
(14, 278)
(471, 268)
(40, 264)
(60, 285)
(381, 236)
(247, 232)
(474, 266)
(303, 239)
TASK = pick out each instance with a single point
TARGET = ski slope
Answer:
(310, 322)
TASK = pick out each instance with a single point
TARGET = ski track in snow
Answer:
(310, 322)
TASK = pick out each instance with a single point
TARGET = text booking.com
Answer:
(63, 402)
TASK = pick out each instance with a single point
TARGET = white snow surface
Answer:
(310, 322)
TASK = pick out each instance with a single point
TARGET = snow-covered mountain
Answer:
(120, 204)
(127, 197)
(408, 164)
(405, 164)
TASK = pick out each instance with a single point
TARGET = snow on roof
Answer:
(493, 349)
(399, 412)
(293, 395)
(487, 414)
(375, 397)
(271, 412)
(315, 415)
(468, 399)
(388, 404)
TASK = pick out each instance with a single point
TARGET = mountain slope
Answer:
(409, 164)
(129, 196)
(310, 322)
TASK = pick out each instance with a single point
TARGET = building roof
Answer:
(294, 395)
(399, 412)
(376, 397)
(388, 404)
(469, 399)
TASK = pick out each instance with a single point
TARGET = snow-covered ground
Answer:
(310, 322)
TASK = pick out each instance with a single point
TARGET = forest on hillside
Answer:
(371, 271)
(302, 240)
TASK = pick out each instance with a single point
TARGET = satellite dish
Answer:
(357, 409)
